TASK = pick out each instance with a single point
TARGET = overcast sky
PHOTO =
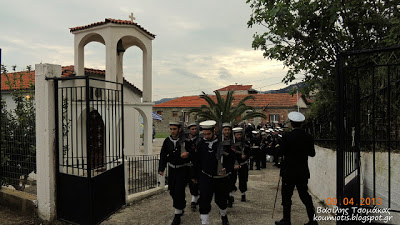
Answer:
(199, 45)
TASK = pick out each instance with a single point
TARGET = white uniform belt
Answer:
(178, 166)
(216, 176)
(243, 163)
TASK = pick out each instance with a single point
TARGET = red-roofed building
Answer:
(25, 80)
(238, 88)
(274, 106)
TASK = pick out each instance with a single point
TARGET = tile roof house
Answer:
(28, 78)
(274, 106)
(238, 88)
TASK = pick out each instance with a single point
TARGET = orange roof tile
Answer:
(280, 100)
(236, 88)
(29, 78)
(109, 20)
(23, 80)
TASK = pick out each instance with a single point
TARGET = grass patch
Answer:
(162, 135)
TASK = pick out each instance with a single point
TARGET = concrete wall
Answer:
(381, 179)
(323, 177)
(323, 173)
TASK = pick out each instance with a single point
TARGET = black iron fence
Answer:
(143, 173)
(323, 131)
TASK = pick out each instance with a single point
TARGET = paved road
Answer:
(157, 210)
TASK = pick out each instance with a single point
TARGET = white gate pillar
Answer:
(45, 140)
(146, 109)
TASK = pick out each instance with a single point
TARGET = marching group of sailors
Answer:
(211, 164)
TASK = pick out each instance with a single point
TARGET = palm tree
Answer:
(224, 107)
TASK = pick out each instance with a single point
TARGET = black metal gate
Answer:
(89, 139)
(368, 121)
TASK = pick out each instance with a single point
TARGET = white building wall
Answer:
(323, 177)
(132, 123)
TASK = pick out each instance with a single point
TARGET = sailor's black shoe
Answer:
(243, 199)
(283, 222)
(193, 206)
(224, 220)
(177, 219)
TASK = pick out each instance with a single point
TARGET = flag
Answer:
(156, 116)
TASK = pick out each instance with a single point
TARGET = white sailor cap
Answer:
(296, 117)
(267, 131)
(254, 132)
(237, 130)
(271, 130)
(263, 133)
(175, 123)
(261, 129)
(208, 124)
(191, 125)
(226, 125)
(279, 135)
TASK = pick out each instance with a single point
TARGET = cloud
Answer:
(184, 73)
(224, 73)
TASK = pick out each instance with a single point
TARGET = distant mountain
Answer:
(285, 89)
(164, 100)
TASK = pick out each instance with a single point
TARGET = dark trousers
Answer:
(243, 173)
(263, 159)
(302, 189)
(194, 188)
(255, 159)
(210, 186)
(177, 181)
(233, 179)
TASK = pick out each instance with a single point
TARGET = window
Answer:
(175, 114)
(274, 118)
(159, 113)
(186, 117)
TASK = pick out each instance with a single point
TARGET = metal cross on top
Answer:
(132, 17)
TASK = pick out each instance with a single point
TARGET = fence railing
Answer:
(143, 172)
(19, 159)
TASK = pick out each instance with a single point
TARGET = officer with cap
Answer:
(174, 154)
(297, 146)
(242, 155)
(192, 139)
(212, 167)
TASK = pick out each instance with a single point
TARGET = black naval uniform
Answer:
(255, 152)
(191, 147)
(296, 147)
(179, 170)
(264, 145)
(210, 183)
(243, 171)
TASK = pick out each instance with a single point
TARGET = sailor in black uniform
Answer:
(212, 166)
(192, 139)
(174, 155)
(242, 155)
(228, 141)
(297, 146)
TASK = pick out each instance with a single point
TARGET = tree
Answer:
(230, 113)
(308, 35)
(18, 151)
